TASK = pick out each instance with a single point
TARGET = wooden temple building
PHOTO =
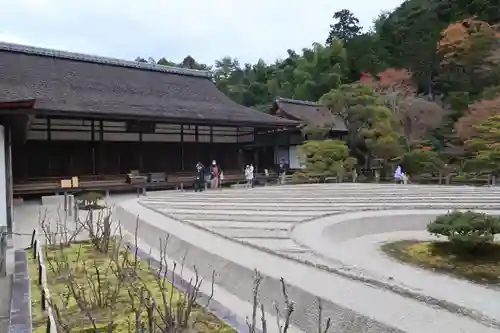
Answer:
(306, 114)
(69, 114)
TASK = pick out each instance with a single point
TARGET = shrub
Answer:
(420, 161)
(466, 229)
(324, 158)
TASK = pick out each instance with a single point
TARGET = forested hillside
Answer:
(422, 83)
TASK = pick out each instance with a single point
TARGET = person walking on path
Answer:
(214, 175)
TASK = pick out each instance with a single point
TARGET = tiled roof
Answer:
(82, 84)
(310, 113)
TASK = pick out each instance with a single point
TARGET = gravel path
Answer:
(293, 224)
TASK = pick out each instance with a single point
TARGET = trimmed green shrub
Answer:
(466, 229)
(421, 161)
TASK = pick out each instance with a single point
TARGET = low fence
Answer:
(45, 300)
(438, 179)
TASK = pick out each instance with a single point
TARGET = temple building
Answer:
(306, 114)
(68, 114)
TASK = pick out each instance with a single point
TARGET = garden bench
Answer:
(157, 177)
(135, 178)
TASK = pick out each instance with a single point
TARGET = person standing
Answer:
(199, 184)
(250, 175)
(214, 175)
(247, 176)
(282, 171)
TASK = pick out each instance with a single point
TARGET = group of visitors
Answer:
(207, 178)
(213, 176)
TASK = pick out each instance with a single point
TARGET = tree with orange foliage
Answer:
(460, 37)
(470, 56)
(416, 115)
(479, 112)
(391, 81)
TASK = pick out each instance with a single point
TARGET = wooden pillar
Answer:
(182, 149)
(197, 142)
(256, 158)
(288, 143)
(102, 159)
(8, 175)
(49, 138)
(139, 153)
(49, 132)
(93, 147)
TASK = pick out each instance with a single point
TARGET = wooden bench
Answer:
(157, 177)
(36, 187)
(266, 179)
(331, 179)
(232, 178)
(239, 185)
(181, 181)
(135, 178)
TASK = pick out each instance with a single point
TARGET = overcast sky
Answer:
(205, 29)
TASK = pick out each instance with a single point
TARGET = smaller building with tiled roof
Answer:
(308, 113)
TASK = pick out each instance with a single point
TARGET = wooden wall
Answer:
(69, 147)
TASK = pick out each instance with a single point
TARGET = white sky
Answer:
(205, 29)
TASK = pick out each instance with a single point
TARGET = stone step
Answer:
(219, 211)
(240, 225)
(323, 204)
(234, 217)
(313, 210)
(273, 244)
(291, 200)
(253, 233)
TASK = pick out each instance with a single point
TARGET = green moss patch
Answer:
(482, 265)
(84, 263)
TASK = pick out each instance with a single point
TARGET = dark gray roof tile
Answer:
(310, 113)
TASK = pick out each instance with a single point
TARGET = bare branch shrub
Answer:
(98, 286)
(289, 307)
(59, 230)
(98, 224)
(115, 277)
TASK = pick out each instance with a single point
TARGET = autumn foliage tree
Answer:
(466, 127)
(416, 115)
(470, 58)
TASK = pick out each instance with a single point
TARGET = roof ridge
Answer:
(297, 101)
(11, 47)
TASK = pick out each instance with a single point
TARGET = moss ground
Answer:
(83, 257)
(481, 265)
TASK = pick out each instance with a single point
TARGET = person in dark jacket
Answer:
(282, 171)
(199, 183)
